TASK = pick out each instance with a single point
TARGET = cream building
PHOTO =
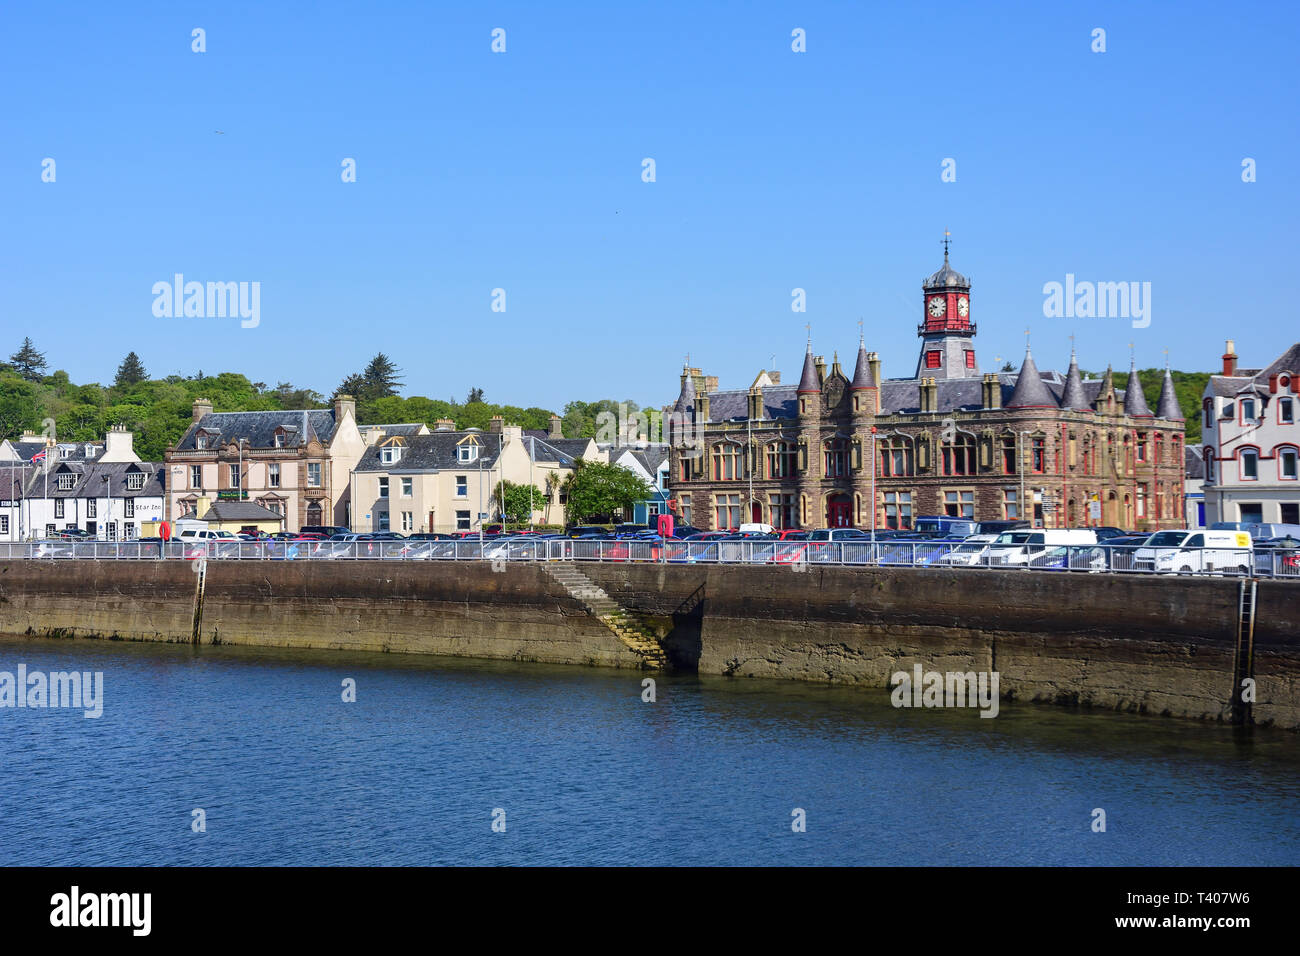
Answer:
(443, 481)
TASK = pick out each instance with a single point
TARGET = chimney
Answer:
(710, 383)
(28, 433)
(201, 507)
(874, 359)
(444, 425)
(117, 445)
(202, 406)
(992, 391)
(755, 403)
(1229, 360)
(774, 377)
(496, 425)
(929, 395)
(344, 405)
(556, 430)
(820, 362)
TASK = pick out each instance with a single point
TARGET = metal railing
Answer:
(797, 555)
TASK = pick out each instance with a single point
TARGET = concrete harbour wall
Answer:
(1145, 644)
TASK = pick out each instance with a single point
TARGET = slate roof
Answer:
(434, 452)
(1135, 401)
(562, 451)
(405, 429)
(1193, 462)
(259, 428)
(89, 481)
(1074, 396)
(686, 400)
(239, 511)
(809, 380)
(946, 278)
(1030, 390)
(862, 377)
(76, 451)
(1288, 361)
(1167, 405)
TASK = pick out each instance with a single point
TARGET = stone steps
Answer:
(609, 612)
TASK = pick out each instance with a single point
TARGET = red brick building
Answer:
(1049, 447)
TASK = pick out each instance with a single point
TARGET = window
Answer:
(129, 506)
(1209, 465)
(1247, 410)
(234, 476)
(65, 452)
(970, 359)
(1208, 408)
(1290, 513)
(782, 459)
(58, 507)
(1251, 513)
(1286, 412)
(782, 511)
(467, 452)
(726, 511)
(1038, 455)
(1286, 464)
(390, 454)
(273, 475)
(134, 481)
(91, 528)
(279, 439)
(383, 520)
(4, 524)
(1010, 504)
(462, 486)
(933, 358)
(1142, 501)
(383, 487)
(408, 521)
(91, 507)
(836, 458)
(1249, 464)
(898, 510)
(726, 463)
(66, 482)
(895, 457)
(196, 476)
(959, 504)
(128, 532)
(1009, 456)
(200, 442)
(1142, 446)
(408, 487)
(313, 474)
(462, 520)
(49, 530)
(959, 457)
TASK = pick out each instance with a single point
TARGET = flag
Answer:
(39, 456)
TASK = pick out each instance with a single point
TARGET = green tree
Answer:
(518, 502)
(28, 362)
(475, 395)
(130, 371)
(382, 377)
(595, 488)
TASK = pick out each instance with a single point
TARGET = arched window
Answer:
(1248, 464)
(836, 457)
(726, 462)
(895, 457)
(1209, 464)
(1288, 461)
(959, 457)
(782, 459)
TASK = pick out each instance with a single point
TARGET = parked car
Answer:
(967, 553)
(73, 534)
(328, 530)
(586, 531)
(946, 526)
(202, 534)
(1105, 533)
(995, 528)
(1018, 548)
(1263, 532)
(1192, 551)
(1119, 551)
(1066, 558)
(1279, 556)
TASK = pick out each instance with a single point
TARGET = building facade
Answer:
(295, 463)
(858, 449)
(1251, 442)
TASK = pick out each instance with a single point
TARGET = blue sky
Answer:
(522, 171)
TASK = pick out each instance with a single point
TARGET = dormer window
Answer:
(66, 482)
(65, 452)
(200, 441)
(467, 453)
(279, 438)
(134, 481)
(1247, 410)
(390, 454)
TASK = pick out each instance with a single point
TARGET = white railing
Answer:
(797, 555)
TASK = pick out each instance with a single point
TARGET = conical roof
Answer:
(946, 278)
(862, 377)
(1167, 405)
(810, 381)
(1030, 392)
(686, 400)
(1074, 396)
(1135, 402)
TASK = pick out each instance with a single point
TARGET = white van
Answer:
(757, 527)
(1192, 550)
(968, 553)
(1018, 548)
(196, 534)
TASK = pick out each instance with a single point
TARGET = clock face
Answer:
(963, 307)
(937, 306)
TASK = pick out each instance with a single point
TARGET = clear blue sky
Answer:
(775, 170)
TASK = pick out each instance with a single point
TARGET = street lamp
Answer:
(873, 490)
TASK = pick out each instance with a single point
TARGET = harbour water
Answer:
(587, 772)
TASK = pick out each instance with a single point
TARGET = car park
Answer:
(1278, 557)
(1018, 548)
(966, 553)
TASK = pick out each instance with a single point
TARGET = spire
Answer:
(1135, 403)
(862, 377)
(810, 381)
(1074, 396)
(1030, 392)
(1167, 405)
(686, 400)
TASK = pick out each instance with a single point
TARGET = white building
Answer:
(101, 489)
(1251, 441)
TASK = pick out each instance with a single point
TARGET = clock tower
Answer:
(947, 334)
